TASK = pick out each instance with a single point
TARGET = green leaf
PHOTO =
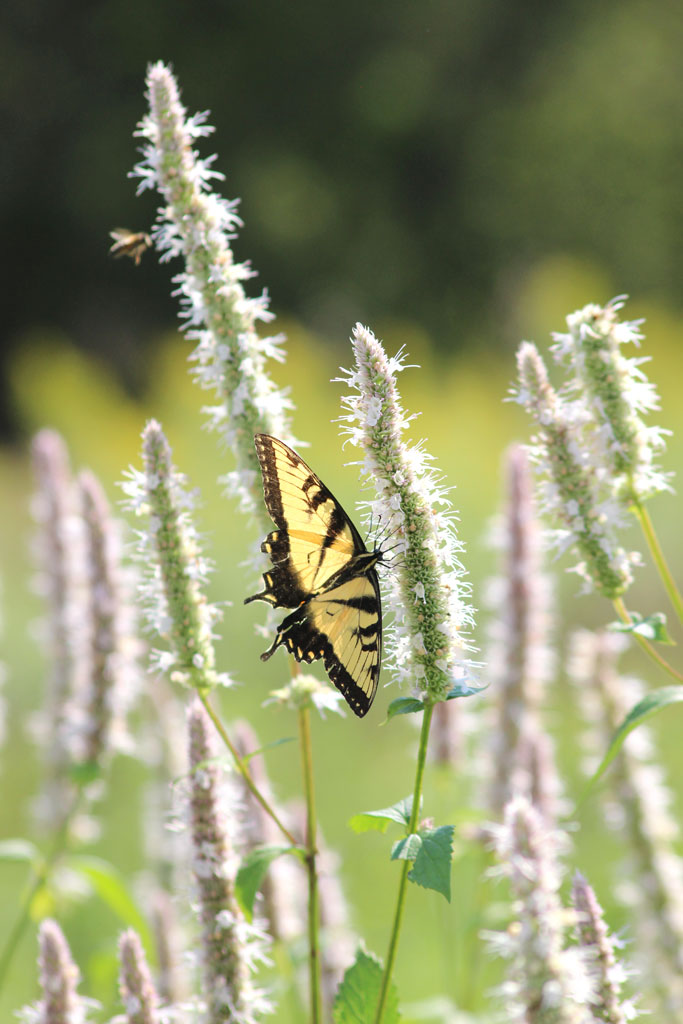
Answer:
(19, 850)
(111, 887)
(379, 820)
(463, 690)
(358, 994)
(251, 873)
(407, 848)
(645, 708)
(404, 706)
(432, 867)
(652, 628)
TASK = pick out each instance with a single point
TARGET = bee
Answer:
(129, 243)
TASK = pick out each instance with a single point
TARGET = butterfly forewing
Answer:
(321, 569)
(315, 537)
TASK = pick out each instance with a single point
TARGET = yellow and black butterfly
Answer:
(129, 243)
(322, 569)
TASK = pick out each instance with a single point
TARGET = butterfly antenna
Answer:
(384, 532)
(395, 561)
(389, 535)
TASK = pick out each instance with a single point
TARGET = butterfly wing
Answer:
(314, 538)
(343, 626)
(321, 569)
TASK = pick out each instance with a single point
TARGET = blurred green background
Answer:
(458, 176)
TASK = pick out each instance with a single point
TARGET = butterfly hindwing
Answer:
(321, 569)
(342, 626)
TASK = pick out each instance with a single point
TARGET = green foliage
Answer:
(112, 888)
(357, 996)
(404, 706)
(652, 627)
(650, 705)
(399, 813)
(407, 848)
(411, 705)
(251, 872)
(431, 850)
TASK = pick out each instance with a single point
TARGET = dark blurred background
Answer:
(399, 159)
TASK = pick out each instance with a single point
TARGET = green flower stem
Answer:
(645, 645)
(41, 875)
(311, 852)
(403, 884)
(646, 524)
(243, 770)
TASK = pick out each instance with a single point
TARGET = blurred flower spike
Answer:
(427, 593)
(596, 456)
(575, 489)
(613, 392)
(303, 691)
(175, 569)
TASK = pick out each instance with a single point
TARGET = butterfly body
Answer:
(322, 570)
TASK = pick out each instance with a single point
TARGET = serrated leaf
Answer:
(379, 820)
(653, 627)
(111, 888)
(406, 848)
(358, 995)
(432, 867)
(251, 873)
(404, 706)
(645, 708)
(19, 850)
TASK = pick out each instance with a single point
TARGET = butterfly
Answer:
(321, 569)
(129, 243)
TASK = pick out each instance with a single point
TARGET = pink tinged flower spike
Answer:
(197, 225)
(138, 995)
(110, 681)
(59, 977)
(613, 393)
(520, 658)
(651, 880)
(571, 492)
(176, 571)
(428, 595)
(58, 552)
(594, 937)
(548, 980)
(170, 975)
(230, 947)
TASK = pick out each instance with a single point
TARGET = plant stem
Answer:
(403, 884)
(645, 645)
(647, 526)
(311, 868)
(41, 875)
(244, 771)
